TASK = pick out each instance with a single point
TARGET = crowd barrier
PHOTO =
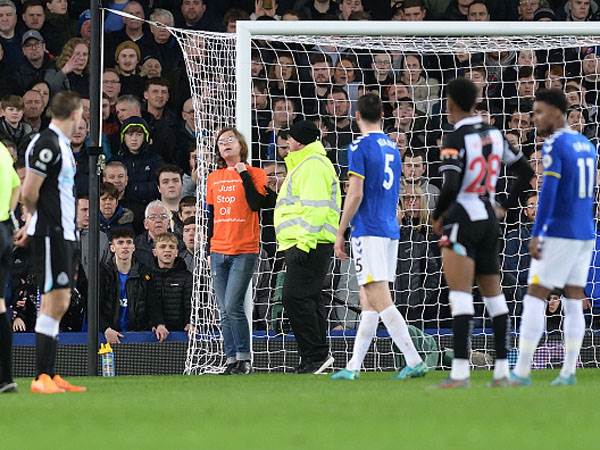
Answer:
(141, 354)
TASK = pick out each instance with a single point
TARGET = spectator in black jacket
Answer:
(36, 61)
(65, 27)
(141, 163)
(127, 56)
(115, 173)
(515, 257)
(189, 240)
(33, 112)
(169, 52)
(190, 180)
(83, 227)
(162, 121)
(578, 11)
(457, 10)
(25, 291)
(72, 321)
(187, 209)
(151, 67)
(316, 9)
(124, 288)
(186, 136)
(196, 17)
(170, 300)
(126, 106)
(111, 88)
(81, 156)
(12, 126)
(134, 31)
(170, 185)
(10, 36)
(6, 81)
(33, 16)
(112, 215)
(158, 220)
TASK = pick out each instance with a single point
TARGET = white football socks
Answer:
(533, 323)
(460, 369)
(367, 328)
(574, 328)
(398, 330)
(498, 312)
(501, 369)
(47, 325)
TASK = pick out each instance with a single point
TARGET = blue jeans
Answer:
(231, 276)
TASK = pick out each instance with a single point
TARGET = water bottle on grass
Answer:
(108, 360)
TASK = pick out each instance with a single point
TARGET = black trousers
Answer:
(304, 304)
(6, 230)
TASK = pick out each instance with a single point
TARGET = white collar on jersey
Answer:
(565, 130)
(472, 120)
(61, 135)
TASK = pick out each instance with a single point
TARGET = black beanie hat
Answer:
(305, 132)
(544, 13)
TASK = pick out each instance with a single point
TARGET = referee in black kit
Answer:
(9, 197)
(49, 195)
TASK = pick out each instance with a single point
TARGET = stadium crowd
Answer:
(148, 190)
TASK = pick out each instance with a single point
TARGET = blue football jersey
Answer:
(376, 159)
(571, 158)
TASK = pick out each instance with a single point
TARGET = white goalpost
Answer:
(244, 80)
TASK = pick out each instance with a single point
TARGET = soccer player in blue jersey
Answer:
(562, 236)
(374, 169)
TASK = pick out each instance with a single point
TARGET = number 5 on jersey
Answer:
(388, 181)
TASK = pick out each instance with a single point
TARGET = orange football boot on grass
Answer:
(45, 385)
(65, 385)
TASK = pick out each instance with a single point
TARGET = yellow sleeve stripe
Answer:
(553, 174)
(350, 172)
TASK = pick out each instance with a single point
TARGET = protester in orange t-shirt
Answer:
(234, 193)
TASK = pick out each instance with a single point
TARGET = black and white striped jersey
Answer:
(49, 155)
(476, 150)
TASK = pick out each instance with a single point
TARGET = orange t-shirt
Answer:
(235, 224)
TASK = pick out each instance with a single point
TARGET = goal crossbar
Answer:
(248, 30)
(427, 28)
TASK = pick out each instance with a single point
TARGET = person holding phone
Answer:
(264, 8)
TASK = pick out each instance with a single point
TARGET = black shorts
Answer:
(55, 261)
(476, 239)
(6, 233)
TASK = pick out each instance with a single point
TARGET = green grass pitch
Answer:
(280, 412)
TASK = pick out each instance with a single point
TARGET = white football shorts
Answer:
(375, 258)
(564, 262)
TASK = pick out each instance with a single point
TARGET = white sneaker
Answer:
(326, 365)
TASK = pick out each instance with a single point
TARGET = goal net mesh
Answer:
(320, 78)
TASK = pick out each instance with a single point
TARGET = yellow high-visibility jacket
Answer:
(307, 212)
